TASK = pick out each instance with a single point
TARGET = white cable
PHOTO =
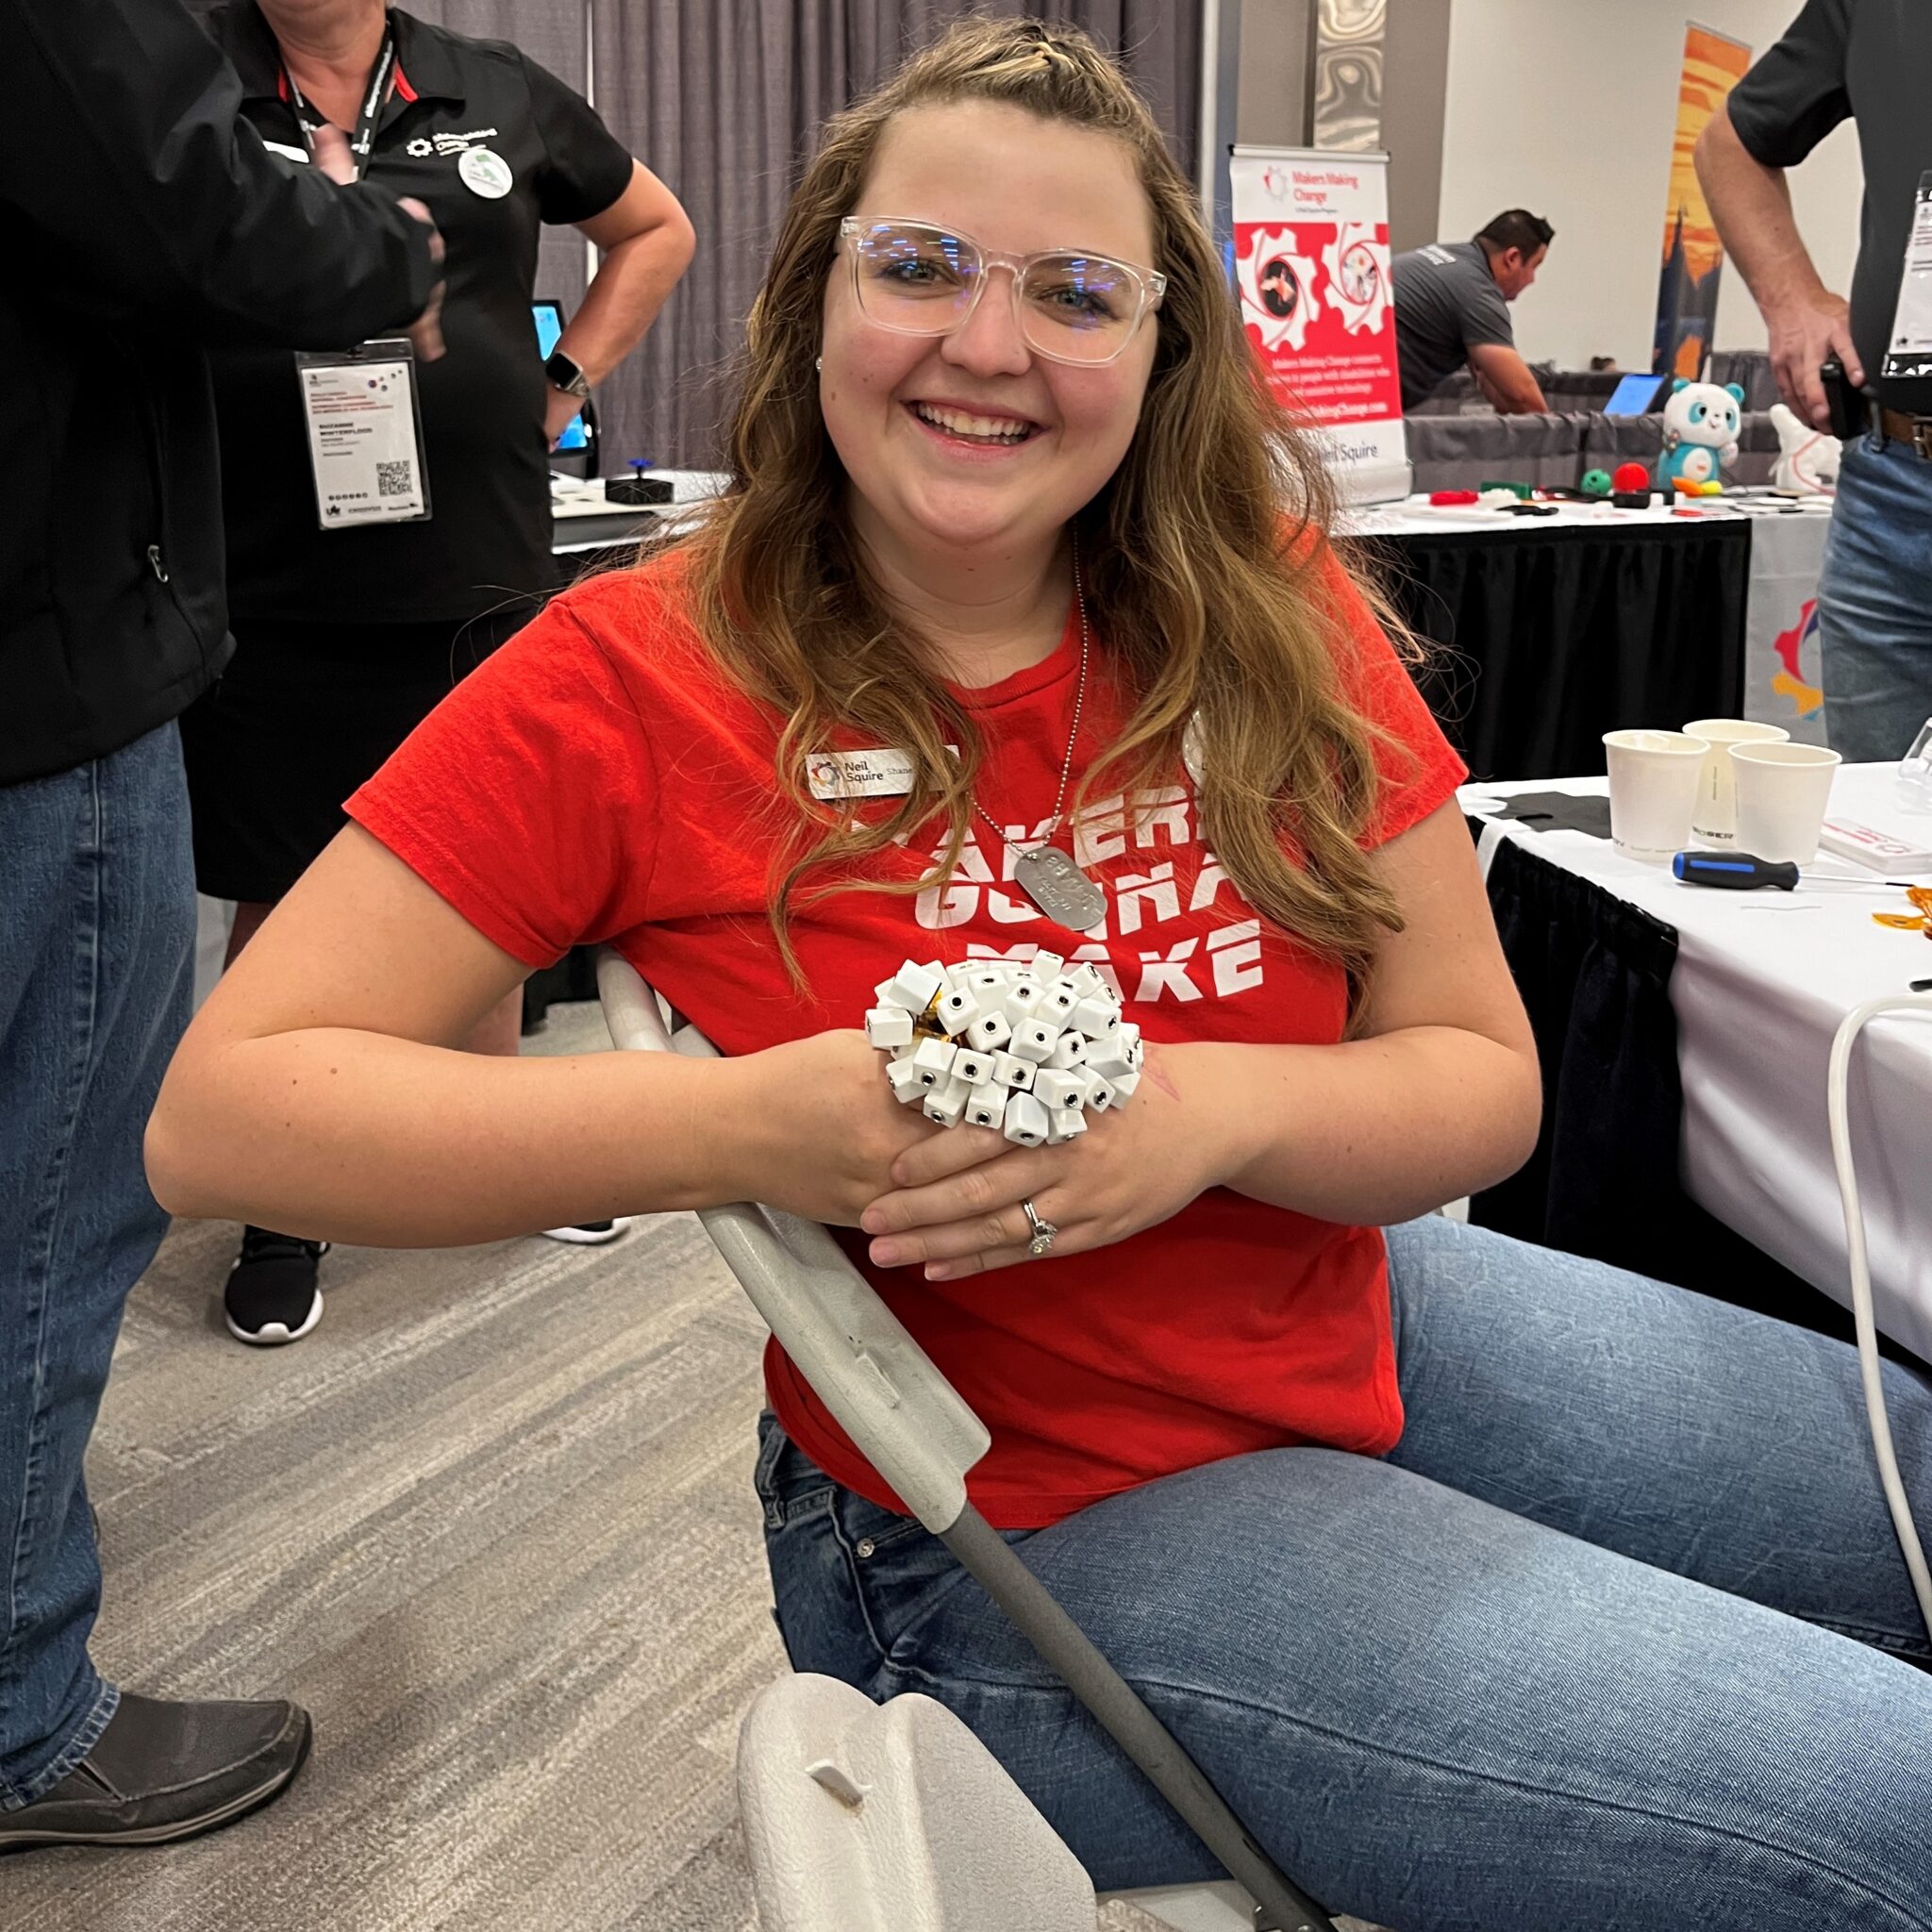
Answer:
(1837, 1083)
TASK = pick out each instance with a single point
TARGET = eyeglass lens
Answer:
(921, 281)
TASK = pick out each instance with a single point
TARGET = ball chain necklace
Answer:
(1048, 875)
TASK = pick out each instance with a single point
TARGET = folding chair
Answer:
(920, 1436)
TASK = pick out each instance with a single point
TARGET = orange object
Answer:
(1920, 921)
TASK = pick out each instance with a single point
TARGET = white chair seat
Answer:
(864, 1817)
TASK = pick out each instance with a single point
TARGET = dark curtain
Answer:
(722, 98)
(1543, 642)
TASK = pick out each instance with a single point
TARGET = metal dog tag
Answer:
(1062, 891)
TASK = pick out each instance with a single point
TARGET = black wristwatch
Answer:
(563, 372)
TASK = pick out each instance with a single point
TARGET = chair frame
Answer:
(921, 1435)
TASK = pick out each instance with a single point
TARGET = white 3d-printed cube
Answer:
(1033, 1040)
(1016, 1074)
(989, 1033)
(889, 1026)
(934, 1061)
(1026, 1123)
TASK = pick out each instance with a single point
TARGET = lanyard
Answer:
(364, 139)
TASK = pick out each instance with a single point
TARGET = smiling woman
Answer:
(1021, 637)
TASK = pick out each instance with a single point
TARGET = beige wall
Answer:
(1568, 110)
(1272, 90)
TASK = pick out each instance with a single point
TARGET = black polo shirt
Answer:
(1871, 60)
(483, 401)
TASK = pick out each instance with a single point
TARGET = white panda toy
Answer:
(1700, 424)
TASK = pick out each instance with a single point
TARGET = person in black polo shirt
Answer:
(348, 638)
(1870, 61)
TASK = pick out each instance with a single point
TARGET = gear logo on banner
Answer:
(1357, 265)
(1277, 285)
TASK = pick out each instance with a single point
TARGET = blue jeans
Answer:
(96, 941)
(1603, 1644)
(1874, 602)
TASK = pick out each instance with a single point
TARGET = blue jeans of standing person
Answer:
(1612, 1642)
(1874, 602)
(96, 945)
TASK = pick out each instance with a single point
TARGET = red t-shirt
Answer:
(598, 780)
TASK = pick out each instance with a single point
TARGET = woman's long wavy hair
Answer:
(1194, 555)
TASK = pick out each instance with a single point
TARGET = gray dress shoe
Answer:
(163, 1771)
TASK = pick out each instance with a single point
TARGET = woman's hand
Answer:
(960, 1215)
(817, 1131)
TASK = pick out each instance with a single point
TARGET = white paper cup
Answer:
(1714, 820)
(1652, 789)
(1783, 793)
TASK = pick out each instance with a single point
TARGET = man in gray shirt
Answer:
(1452, 307)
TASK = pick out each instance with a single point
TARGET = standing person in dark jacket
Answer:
(141, 218)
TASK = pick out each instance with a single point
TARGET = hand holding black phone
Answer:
(1850, 415)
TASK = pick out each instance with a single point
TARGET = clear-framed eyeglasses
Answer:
(920, 280)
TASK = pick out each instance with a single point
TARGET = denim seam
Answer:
(40, 1266)
(1370, 1748)
(778, 1514)
(888, 1539)
(106, 1702)
(1892, 1643)
(858, 1596)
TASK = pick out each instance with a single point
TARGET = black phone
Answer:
(1850, 418)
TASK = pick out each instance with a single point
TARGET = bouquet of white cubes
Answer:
(1028, 1050)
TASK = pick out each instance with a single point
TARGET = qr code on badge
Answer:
(396, 479)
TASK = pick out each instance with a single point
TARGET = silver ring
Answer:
(1045, 1232)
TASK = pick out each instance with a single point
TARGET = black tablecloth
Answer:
(1546, 639)
(1594, 972)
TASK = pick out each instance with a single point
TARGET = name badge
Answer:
(1911, 323)
(364, 420)
(835, 775)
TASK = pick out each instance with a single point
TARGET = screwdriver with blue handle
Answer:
(1744, 872)
(1735, 872)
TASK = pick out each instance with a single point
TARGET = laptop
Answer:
(1638, 395)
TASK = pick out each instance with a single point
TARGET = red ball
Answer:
(1629, 478)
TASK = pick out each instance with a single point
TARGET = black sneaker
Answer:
(163, 1771)
(591, 1234)
(270, 1296)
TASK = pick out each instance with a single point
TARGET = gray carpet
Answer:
(492, 1524)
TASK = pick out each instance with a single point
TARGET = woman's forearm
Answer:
(631, 285)
(1373, 1131)
(353, 1135)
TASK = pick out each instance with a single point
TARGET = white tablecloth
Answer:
(1761, 982)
